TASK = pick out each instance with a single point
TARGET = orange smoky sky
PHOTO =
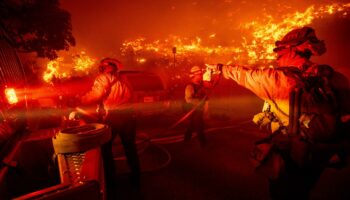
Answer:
(101, 26)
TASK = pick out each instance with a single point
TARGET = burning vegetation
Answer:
(254, 47)
(80, 65)
(257, 42)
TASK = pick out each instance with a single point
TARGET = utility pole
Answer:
(174, 52)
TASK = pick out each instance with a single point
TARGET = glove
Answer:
(207, 74)
(72, 115)
(215, 69)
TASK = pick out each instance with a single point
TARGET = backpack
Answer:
(313, 123)
(198, 93)
(313, 106)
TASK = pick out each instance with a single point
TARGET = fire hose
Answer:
(81, 138)
(184, 117)
(211, 69)
(195, 107)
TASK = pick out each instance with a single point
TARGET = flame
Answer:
(265, 33)
(185, 48)
(255, 48)
(212, 35)
(52, 70)
(82, 64)
(141, 60)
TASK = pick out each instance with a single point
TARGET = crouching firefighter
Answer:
(305, 106)
(113, 96)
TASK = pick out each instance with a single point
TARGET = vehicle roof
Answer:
(143, 81)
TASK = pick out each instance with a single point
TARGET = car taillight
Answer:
(11, 96)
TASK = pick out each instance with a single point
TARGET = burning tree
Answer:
(39, 26)
(69, 66)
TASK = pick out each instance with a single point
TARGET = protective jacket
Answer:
(275, 85)
(109, 89)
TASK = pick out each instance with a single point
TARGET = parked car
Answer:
(149, 94)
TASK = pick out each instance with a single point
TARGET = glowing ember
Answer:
(141, 60)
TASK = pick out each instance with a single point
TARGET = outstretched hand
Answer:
(215, 68)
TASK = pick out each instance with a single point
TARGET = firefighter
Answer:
(113, 97)
(196, 99)
(291, 165)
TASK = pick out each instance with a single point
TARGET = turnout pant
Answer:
(122, 124)
(196, 124)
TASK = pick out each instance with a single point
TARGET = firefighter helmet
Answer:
(304, 39)
(195, 70)
(116, 64)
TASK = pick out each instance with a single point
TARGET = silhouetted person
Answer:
(113, 96)
(305, 104)
(196, 99)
